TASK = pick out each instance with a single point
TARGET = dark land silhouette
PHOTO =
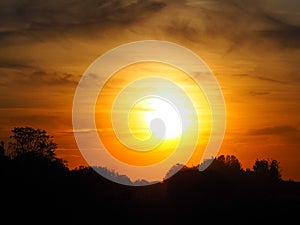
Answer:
(37, 187)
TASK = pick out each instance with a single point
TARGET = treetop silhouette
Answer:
(28, 139)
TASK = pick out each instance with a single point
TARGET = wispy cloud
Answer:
(259, 93)
(29, 76)
(41, 19)
(5, 64)
(240, 23)
(259, 77)
(263, 78)
(275, 130)
(237, 21)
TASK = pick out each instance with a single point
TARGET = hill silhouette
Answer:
(38, 188)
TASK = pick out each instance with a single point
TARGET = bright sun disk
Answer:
(161, 110)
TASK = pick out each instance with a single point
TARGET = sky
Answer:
(251, 46)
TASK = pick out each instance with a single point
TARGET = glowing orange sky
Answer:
(252, 47)
(141, 70)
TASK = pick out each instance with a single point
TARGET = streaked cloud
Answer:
(241, 23)
(27, 74)
(40, 20)
(259, 77)
(259, 93)
(275, 130)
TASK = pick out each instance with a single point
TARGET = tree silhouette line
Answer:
(38, 187)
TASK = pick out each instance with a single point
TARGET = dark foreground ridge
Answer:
(38, 188)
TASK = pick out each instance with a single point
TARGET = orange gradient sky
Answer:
(252, 47)
(150, 108)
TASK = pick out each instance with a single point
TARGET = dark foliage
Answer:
(39, 189)
(30, 140)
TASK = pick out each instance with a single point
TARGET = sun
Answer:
(163, 118)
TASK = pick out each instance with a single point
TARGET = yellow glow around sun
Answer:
(152, 117)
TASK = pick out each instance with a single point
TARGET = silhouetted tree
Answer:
(34, 150)
(1, 149)
(233, 162)
(28, 139)
(224, 163)
(268, 168)
(261, 166)
(275, 169)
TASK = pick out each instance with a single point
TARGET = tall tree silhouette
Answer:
(34, 147)
(28, 139)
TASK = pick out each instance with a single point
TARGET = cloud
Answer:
(25, 75)
(83, 131)
(267, 79)
(259, 93)
(286, 11)
(275, 130)
(284, 34)
(14, 65)
(39, 19)
(240, 23)
(52, 77)
(259, 77)
(35, 117)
